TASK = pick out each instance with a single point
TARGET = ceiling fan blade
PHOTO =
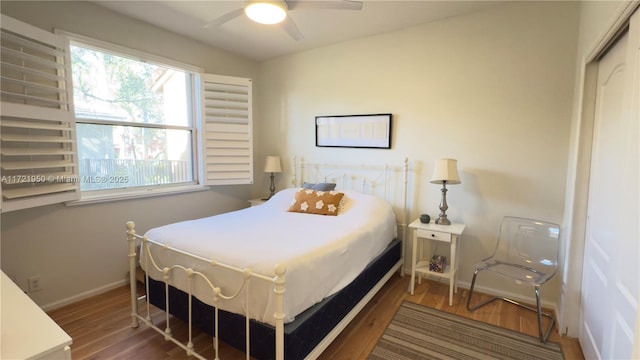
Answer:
(225, 18)
(290, 27)
(339, 5)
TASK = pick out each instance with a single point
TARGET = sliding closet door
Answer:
(611, 272)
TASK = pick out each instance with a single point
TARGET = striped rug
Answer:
(419, 332)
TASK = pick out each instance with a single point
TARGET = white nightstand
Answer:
(256, 202)
(445, 233)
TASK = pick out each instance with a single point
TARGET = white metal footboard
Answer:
(278, 282)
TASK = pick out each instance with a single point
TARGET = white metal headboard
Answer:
(389, 182)
(386, 181)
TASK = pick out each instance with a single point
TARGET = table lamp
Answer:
(445, 172)
(272, 165)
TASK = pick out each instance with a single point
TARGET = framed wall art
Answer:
(354, 131)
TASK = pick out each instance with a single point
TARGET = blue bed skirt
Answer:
(303, 334)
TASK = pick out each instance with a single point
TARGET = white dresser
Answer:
(26, 331)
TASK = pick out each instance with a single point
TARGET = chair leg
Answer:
(545, 336)
(538, 310)
(473, 284)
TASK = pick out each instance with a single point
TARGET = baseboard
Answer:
(495, 292)
(84, 295)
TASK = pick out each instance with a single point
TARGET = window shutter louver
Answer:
(227, 130)
(38, 149)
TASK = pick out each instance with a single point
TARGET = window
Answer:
(135, 121)
(142, 125)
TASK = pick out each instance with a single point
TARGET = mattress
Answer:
(322, 254)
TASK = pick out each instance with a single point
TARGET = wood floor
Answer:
(101, 326)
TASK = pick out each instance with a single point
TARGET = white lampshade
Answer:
(272, 164)
(266, 12)
(446, 170)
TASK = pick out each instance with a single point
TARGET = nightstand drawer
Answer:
(434, 235)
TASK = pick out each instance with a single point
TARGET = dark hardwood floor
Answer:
(101, 326)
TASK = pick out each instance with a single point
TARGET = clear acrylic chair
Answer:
(527, 253)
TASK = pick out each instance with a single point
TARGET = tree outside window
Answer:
(133, 121)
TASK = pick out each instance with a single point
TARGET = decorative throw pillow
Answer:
(319, 186)
(316, 202)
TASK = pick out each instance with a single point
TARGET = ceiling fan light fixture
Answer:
(266, 12)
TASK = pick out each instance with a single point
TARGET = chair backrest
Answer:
(529, 243)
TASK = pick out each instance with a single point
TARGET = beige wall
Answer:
(81, 249)
(492, 89)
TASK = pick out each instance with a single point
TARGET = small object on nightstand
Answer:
(425, 219)
(438, 263)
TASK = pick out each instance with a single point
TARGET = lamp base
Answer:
(272, 188)
(442, 219)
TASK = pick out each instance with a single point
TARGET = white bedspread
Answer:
(322, 254)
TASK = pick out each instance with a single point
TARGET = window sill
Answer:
(134, 194)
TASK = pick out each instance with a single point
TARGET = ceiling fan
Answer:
(276, 12)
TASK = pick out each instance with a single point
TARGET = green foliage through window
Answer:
(133, 120)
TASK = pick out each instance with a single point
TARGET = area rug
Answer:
(419, 332)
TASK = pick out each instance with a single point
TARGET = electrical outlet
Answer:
(34, 283)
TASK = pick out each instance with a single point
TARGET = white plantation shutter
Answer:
(227, 130)
(38, 149)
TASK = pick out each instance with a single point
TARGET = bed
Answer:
(274, 280)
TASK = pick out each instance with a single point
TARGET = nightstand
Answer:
(433, 232)
(256, 202)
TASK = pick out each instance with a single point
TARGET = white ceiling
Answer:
(320, 27)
